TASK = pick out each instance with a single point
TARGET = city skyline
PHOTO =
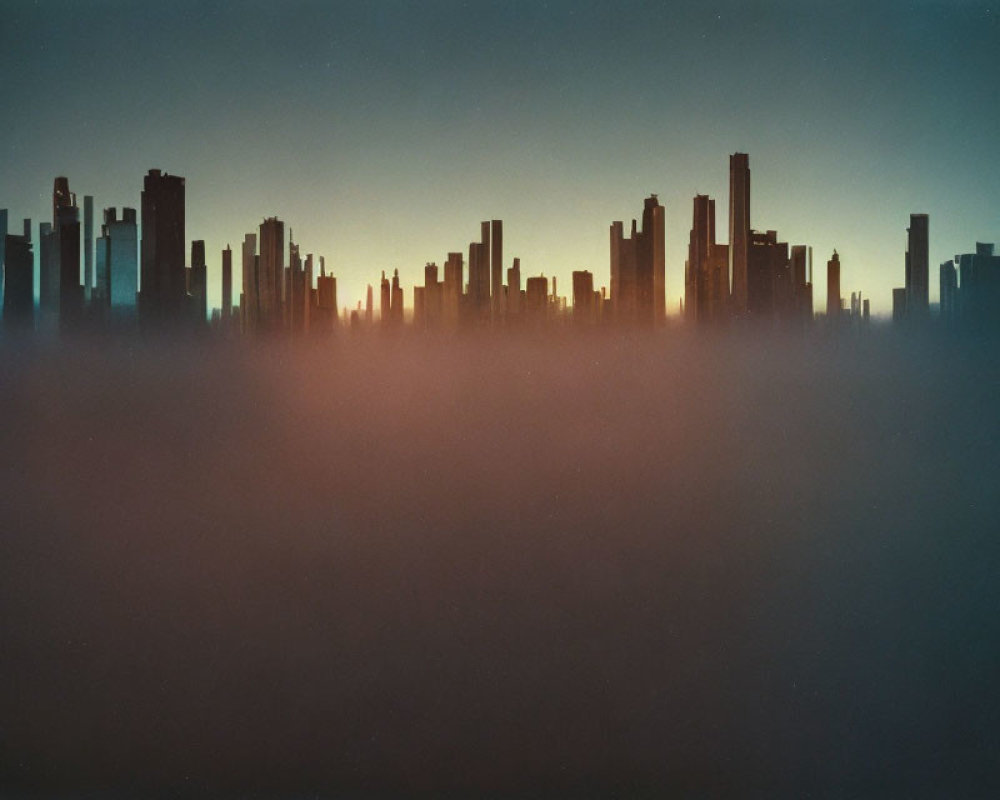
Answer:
(553, 120)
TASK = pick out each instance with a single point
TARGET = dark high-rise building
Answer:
(162, 287)
(66, 227)
(48, 276)
(198, 283)
(917, 267)
(120, 255)
(706, 272)
(638, 267)
(385, 301)
(3, 247)
(536, 299)
(88, 246)
(326, 300)
(19, 284)
(833, 287)
(948, 283)
(802, 289)
(899, 304)
(227, 283)
(584, 301)
(768, 277)
(249, 301)
(369, 305)
(453, 281)
(979, 288)
(496, 269)
(270, 275)
(739, 231)
(396, 301)
(514, 289)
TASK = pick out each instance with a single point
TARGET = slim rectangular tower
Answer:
(162, 289)
(88, 246)
(227, 282)
(917, 267)
(496, 269)
(739, 230)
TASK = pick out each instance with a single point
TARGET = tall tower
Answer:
(249, 302)
(66, 226)
(121, 268)
(270, 274)
(917, 267)
(496, 269)
(833, 287)
(19, 288)
(739, 230)
(199, 282)
(706, 277)
(3, 246)
(88, 245)
(162, 287)
(637, 267)
(227, 282)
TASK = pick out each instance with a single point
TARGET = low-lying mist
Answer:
(591, 566)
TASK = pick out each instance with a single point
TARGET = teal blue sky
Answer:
(383, 132)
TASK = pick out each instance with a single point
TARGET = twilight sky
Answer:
(383, 132)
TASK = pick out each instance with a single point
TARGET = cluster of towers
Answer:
(753, 275)
(133, 276)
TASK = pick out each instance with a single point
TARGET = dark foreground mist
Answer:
(494, 568)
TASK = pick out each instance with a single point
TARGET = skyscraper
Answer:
(3, 247)
(801, 274)
(739, 230)
(584, 302)
(706, 274)
(66, 226)
(917, 267)
(833, 287)
(88, 246)
(198, 285)
(638, 267)
(496, 269)
(162, 288)
(249, 302)
(227, 283)
(19, 288)
(120, 236)
(270, 275)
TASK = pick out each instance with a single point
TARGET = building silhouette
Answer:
(227, 283)
(19, 283)
(978, 294)
(802, 288)
(706, 271)
(117, 266)
(917, 267)
(198, 283)
(536, 300)
(948, 285)
(66, 228)
(496, 270)
(638, 268)
(249, 302)
(739, 231)
(88, 246)
(833, 287)
(162, 282)
(326, 300)
(270, 276)
(3, 248)
(768, 277)
(586, 302)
